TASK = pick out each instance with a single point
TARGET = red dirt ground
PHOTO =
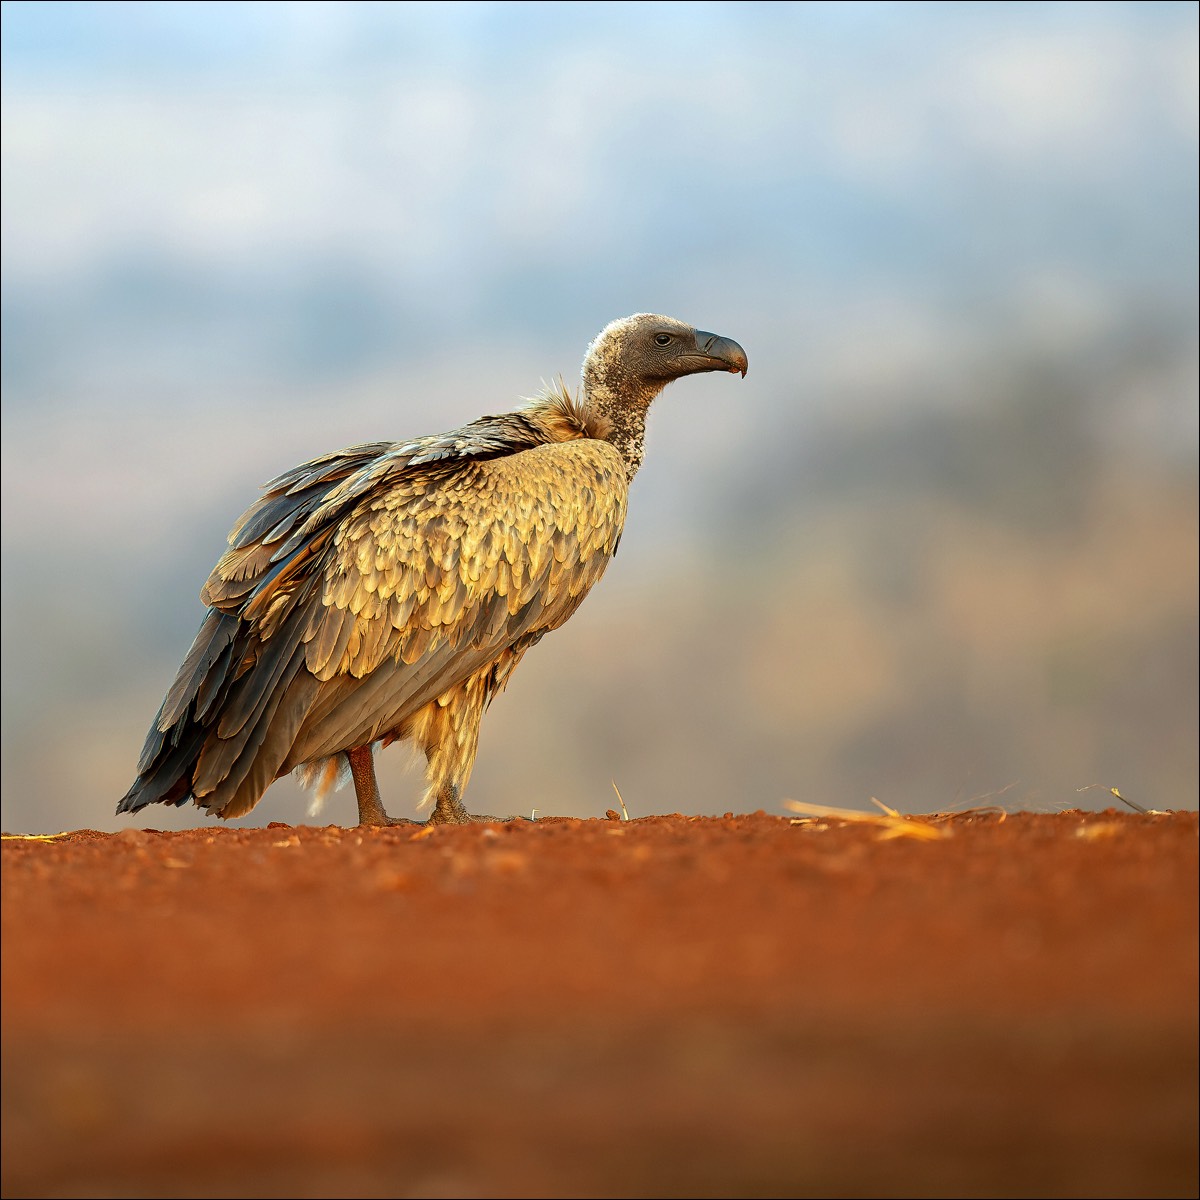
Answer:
(674, 1006)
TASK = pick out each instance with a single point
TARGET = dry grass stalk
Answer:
(624, 810)
(891, 824)
(1123, 799)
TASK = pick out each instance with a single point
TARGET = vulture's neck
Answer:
(623, 402)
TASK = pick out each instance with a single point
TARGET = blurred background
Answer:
(938, 548)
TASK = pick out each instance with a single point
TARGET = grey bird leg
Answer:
(448, 809)
(366, 789)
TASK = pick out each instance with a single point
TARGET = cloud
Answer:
(526, 146)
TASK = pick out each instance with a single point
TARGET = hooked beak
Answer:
(714, 353)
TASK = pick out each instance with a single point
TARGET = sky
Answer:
(237, 235)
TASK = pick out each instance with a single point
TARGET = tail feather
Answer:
(260, 762)
(167, 780)
(225, 760)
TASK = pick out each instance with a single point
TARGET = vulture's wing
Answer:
(390, 573)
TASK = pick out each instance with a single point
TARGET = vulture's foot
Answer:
(449, 810)
(371, 812)
(467, 818)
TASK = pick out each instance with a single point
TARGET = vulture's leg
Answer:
(450, 734)
(449, 769)
(366, 788)
(448, 809)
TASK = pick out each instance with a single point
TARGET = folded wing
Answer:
(364, 584)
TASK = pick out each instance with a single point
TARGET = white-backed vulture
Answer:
(387, 591)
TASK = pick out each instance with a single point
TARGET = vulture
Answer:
(387, 591)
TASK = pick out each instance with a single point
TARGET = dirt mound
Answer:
(670, 1006)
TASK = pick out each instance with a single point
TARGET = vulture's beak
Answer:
(715, 353)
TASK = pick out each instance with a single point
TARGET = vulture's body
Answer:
(387, 591)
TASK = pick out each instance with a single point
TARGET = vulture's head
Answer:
(643, 353)
(634, 358)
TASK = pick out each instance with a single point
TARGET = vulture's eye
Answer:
(663, 339)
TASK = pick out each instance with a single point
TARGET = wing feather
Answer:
(249, 694)
(216, 633)
(225, 760)
(214, 686)
(260, 761)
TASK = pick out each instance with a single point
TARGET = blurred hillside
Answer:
(941, 542)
